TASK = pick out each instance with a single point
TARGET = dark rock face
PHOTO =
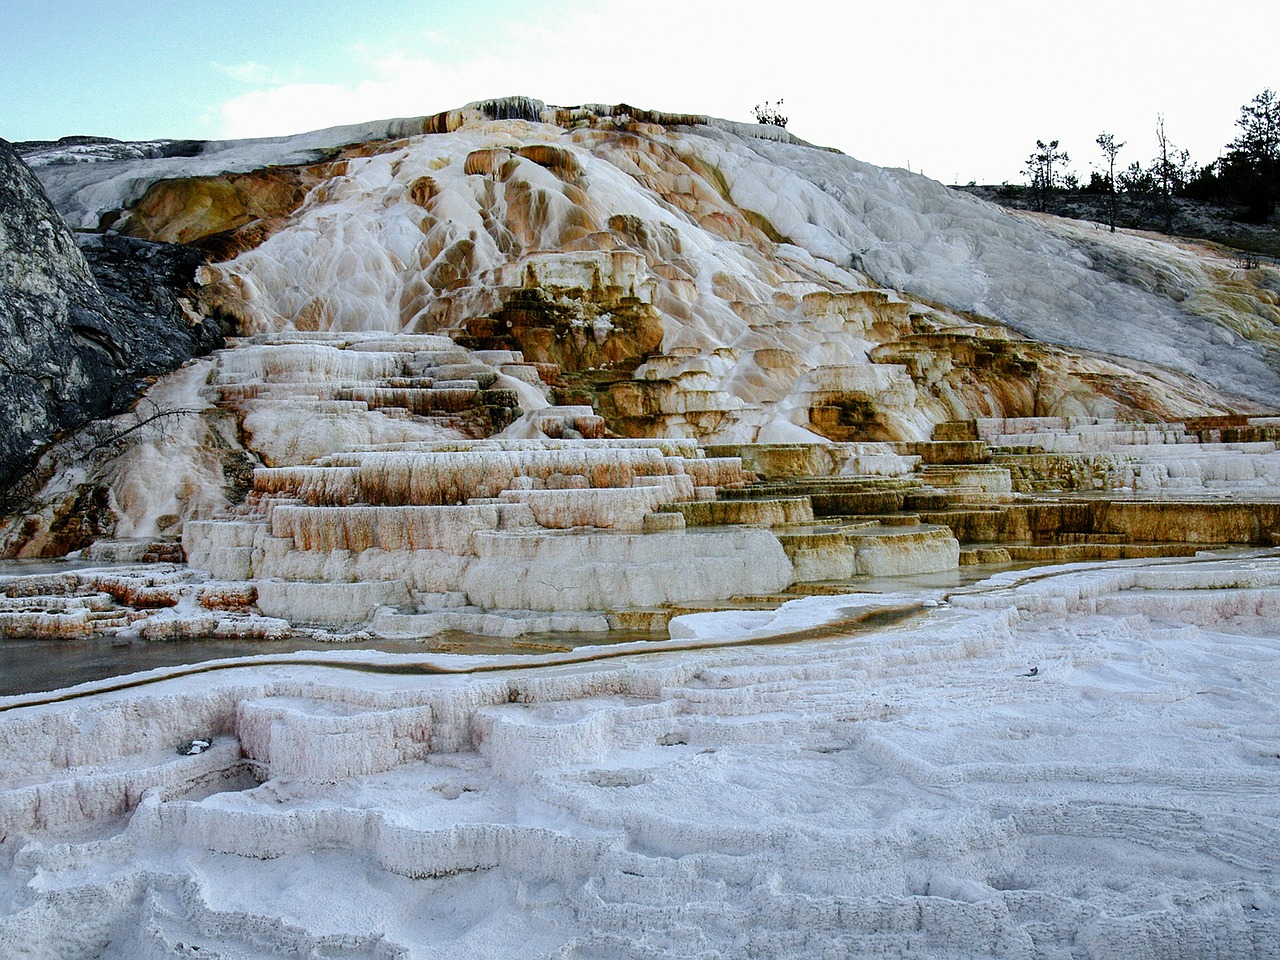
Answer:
(73, 150)
(146, 283)
(74, 346)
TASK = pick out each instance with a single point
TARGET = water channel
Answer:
(35, 665)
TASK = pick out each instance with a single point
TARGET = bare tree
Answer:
(770, 113)
(1170, 170)
(1110, 149)
(95, 442)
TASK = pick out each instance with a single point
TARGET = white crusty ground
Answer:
(908, 790)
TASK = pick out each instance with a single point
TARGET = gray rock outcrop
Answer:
(75, 345)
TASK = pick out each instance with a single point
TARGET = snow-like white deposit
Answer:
(1078, 762)
(1068, 287)
(1072, 762)
(368, 251)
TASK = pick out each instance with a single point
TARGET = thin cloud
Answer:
(257, 74)
(400, 86)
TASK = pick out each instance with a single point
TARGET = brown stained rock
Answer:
(625, 115)
(868, 311)
(596, 240)
(953, 430)
(495, 163)
(775, 358)
(730, 287)
(736, 226)
(689, 184)
(163, 551)
(137, 592)
(925, 355)
(948, 451)
(576, 227)
(635, 400)
(576, 333)
(548, 373)
(539, 219)
(848, 416)
(984, 371)
(660, 242)
(237, 597)
(646, 408)
(453, 267)
(229, 244)
(225, 300)
(316, 315)
(558, 160)
(232, 211)
(422, 190)
(77, 522)
(372, 148)
(1123, 521)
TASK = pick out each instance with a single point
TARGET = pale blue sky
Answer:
(958, 91)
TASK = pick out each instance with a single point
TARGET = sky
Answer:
(959, 92)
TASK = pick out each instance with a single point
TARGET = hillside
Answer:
(1192, 219)
(632, 534)
(677, 276)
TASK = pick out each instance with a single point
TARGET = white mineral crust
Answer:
(1065, 762)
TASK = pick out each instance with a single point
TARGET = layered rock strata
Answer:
(507, 537)
(1051, 489)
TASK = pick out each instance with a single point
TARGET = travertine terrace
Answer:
(1077, 762)
(935, 545)
(512, 359)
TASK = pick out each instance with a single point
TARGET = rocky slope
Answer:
(1192, 219)
(677, 308)
(428, 225)
(80, 334)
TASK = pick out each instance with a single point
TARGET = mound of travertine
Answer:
(508, 537)
(518, 368)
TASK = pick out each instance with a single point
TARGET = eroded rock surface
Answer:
(75, 348)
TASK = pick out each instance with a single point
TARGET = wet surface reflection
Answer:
(29, 665)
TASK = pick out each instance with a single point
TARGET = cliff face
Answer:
(75, 345)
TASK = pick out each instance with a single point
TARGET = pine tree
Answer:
(1044, 179)
(1252, 167)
